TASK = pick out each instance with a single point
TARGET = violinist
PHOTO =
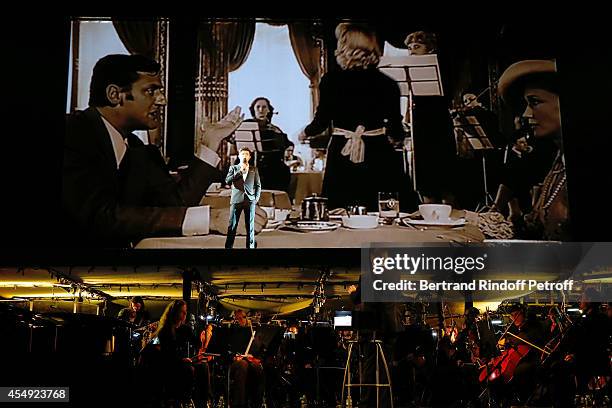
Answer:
(487, 119)
(203, 389)
(557, 372)
(523, 332)
(247, 380)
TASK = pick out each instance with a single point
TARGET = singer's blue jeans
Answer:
(249, 221)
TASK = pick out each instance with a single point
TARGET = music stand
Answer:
(416, 75)
(248, 135)
(467, 126)
(227, 342)
(267, 340)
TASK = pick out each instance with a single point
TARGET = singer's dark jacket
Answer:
(104, 206)
(244, 190)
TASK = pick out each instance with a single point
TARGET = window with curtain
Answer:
(97, 38)
(271, 70)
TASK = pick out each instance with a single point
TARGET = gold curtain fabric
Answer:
(224, 46)
(139, 37)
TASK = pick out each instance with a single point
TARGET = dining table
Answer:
(285, 235)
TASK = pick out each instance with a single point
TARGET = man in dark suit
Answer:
(116, 189)
(246, 189)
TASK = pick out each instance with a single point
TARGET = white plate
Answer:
(441, 223)
(339, 217)
(313, 226)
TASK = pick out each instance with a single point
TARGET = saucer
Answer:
(312, 226)
(449, 222)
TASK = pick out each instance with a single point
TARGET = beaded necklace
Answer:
(553, 183)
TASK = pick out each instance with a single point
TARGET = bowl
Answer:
(435, 212)
(360, 221)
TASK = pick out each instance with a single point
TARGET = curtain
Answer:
(223, 47)
(238, 40)
(144, 37)
(308, 54)
(139, 37)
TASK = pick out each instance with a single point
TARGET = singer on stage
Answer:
(246, 189)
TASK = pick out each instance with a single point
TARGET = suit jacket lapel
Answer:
(102, 137)
(249, 179)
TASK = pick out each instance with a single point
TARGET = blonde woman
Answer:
(361, 107)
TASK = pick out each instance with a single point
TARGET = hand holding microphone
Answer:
(244, 165)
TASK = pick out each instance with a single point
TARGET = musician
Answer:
(470, 345)
(275, 175)
(169, 357)
(524, 330)
(247, 382)
(136, 313)
(557, 371)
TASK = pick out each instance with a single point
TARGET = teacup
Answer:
(435, 212)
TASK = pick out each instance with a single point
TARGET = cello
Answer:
(503, 366)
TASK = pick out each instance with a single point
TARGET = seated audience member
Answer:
(535, 82)
(117, 190)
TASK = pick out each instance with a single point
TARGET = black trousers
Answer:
(249, 221)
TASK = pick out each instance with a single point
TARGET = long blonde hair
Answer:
(170, 317)
(357, 46)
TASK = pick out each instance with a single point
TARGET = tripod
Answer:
(346, 382)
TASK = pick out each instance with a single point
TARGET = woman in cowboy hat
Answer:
(535, 83)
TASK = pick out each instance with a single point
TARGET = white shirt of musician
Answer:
(197, 219)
